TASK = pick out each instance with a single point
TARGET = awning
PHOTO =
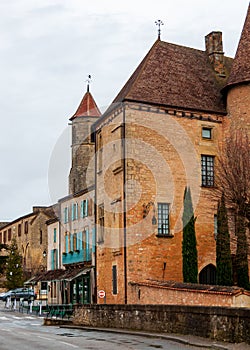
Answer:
(59, 275)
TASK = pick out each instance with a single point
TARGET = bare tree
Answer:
(233, 179)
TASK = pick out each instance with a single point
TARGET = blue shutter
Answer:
(93, 239)
(71, 242)
(67, 243)
(82, 209)
(72, 212)
(87, 245)
(52, 259)
(54, 235)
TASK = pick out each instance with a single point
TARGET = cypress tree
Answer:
(189, 249)
(242, 253)
(224, 273)
(14, 271)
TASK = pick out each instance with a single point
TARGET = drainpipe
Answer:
(95, 220)
(124, 205)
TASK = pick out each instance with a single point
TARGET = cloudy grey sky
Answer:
(47, 49)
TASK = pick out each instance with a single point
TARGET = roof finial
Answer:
(88, 82)
(159, 23)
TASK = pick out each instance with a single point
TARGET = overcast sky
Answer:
(47, 50)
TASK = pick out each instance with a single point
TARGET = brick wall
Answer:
(171, 294)
(223, 324)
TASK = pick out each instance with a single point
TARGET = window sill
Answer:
(118, 170)
(165, 236)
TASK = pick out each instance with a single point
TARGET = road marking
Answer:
(68, 344)
(44, 338)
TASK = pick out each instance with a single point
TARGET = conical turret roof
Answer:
(240, 72)
(87, 107)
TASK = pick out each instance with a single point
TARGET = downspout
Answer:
(95, 221)
(124, 204)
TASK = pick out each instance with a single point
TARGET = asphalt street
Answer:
(24, 331)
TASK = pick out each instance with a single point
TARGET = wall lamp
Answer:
(146, 209)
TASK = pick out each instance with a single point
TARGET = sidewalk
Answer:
(202, 343)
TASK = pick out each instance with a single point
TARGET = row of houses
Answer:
(121, 224)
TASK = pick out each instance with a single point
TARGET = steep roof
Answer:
(176, 76)
(240, 72)
(87, 107)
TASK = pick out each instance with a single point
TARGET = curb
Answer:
(177, 339)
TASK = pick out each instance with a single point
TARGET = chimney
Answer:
(214, 50)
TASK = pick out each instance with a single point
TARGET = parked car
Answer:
(19, 293)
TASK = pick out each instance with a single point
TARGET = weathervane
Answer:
(88, 80)
(159, 23)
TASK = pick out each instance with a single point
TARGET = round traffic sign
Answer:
(101, 293)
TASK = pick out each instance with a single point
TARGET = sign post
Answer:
(102, 295)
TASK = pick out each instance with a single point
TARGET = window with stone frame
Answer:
(75, 241)
(19, 230)
(163, 219)
(26, 227)
(206, 133)
(9, 234)
(114, 279)
(207, 170)
(101, 223)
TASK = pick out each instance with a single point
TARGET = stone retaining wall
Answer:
(222, 324)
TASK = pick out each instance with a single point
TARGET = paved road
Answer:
(23, 332)
(26, 332)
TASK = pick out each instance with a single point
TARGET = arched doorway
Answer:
(208, 275)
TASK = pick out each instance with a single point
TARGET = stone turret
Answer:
(237, 89)
(83, 147)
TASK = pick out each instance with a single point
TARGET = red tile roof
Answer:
(240, 72)
(192, 287)
(176, 76)
(87, 107)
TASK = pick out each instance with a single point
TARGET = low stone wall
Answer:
(222, 324)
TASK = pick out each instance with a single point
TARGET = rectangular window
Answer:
(215, 227)
(54, 235)
(19, 230)
(41, 237)
(9, 234)
(75, 241)
(26, 227)
(66, 215)
(114, 279)
(101, 223)
(207, 133)
(207, 171)
(163, 219)
(74, 211)
(84, 208)
(1, 237)
(4, 236)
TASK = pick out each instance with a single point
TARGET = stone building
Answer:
(71, 236)
(30, 232)
(162, 134)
